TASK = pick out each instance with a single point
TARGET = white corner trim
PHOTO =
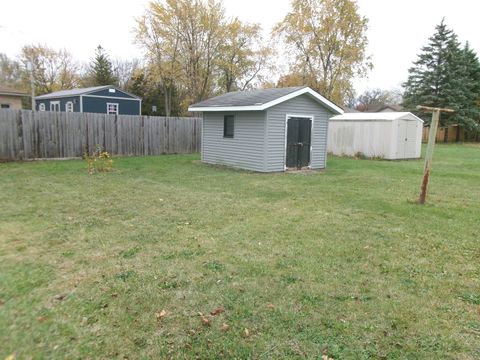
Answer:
(269, 104)
(81, 103)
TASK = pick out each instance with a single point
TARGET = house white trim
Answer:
(41, 107)
(269, 104)
(69, 106)
(54, 105)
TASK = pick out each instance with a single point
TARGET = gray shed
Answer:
(266, 130)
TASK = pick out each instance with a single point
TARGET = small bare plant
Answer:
(99, 161)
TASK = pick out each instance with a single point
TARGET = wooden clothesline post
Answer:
(432, 134)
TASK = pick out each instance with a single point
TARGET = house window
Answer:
(112, 108)
(228, 126)
(41, 107)
(5, 106)
(54, 105)
(69, 106)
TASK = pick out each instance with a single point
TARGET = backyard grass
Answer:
(342, 262)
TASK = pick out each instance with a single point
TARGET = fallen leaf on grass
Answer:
(10, 357)
(205, 321)
(225, 327)
(188, 346)
(217, 311)
(270, 306)
(246, 332)
(59, 297)
(2, 302)
(41, 318)
(161, 314)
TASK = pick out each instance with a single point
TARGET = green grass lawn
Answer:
(339, 262)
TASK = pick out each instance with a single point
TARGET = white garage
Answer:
(388, 135)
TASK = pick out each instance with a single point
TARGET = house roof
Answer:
(260, 99)
(375, 116)
(11, 92)
(347, 109)
(380, 107)
(79, 91)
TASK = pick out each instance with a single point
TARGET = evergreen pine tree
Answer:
(445, 75)
(101, 69)
(468, 81)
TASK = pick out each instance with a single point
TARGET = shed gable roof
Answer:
(259, 99)
(80, 91)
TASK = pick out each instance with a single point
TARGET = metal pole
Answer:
(429, 155)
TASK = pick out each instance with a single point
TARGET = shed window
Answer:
(5, 106)
(41, 107)
(54, 105)
(112, 108)
(228, 126)
(69, 106)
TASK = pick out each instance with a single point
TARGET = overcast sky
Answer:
(397, 29)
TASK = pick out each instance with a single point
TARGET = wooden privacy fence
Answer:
(26, 134)
(452, 133)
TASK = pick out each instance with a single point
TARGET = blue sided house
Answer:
(98, 99)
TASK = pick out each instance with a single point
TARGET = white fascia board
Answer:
(269, 104)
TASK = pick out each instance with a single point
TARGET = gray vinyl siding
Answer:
(245, 150)
(275, 131)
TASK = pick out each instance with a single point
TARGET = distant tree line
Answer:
(190, 50)
(55, 70)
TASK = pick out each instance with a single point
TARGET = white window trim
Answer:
(111, 113)
(53, 105)
(41, 107)
(69, 106)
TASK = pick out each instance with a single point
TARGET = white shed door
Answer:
(407, 133)
(410, 141)
(401, 138)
